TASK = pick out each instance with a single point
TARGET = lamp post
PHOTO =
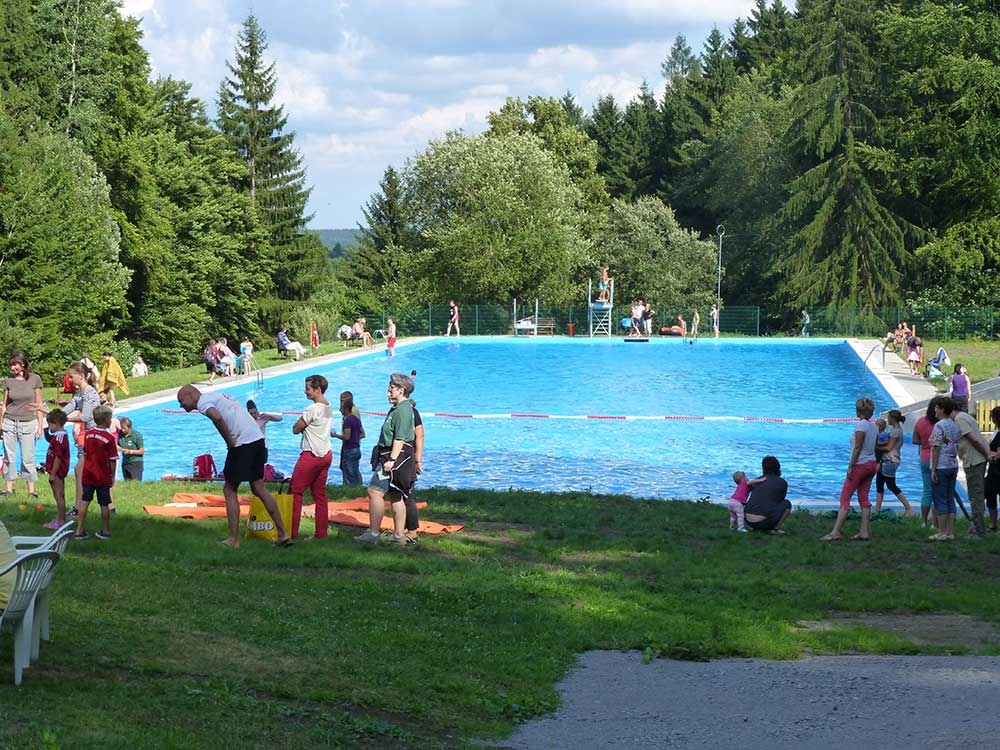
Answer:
(719, 230)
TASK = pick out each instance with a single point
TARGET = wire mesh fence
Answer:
(939, 323)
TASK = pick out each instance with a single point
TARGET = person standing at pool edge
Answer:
(860, 470)
(393, 464)
(805, 323)
(245, 456)
(715, 321)
(452, 318)
(313, 465)
(695, 320)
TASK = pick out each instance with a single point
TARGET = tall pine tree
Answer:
(847, 247)
(275, 177)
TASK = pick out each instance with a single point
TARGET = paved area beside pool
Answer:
(307, 363)
(892, 372)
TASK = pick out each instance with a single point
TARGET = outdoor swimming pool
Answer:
(791, 379)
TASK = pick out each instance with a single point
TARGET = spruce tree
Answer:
(275, 178)
(385, 235)
(848, 247)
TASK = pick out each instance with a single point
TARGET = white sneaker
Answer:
(742, 531)
(368, 537)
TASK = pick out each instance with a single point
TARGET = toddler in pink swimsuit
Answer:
(738, 501)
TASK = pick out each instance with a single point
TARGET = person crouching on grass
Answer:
(245, 457)
(100, 459)
(57, 463)
(313, 466)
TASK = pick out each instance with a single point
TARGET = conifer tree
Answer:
(605, 129)
(847, 248)
(385, 235)
(275, 179)
(575, 114)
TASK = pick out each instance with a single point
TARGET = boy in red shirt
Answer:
(57, 463)
(100, 449)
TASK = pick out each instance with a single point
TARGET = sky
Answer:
(366, 84)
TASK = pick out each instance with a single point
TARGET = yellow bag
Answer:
(259, 523)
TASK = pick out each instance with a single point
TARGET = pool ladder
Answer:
(864, 363)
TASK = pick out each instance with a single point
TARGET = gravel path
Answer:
(613, 700)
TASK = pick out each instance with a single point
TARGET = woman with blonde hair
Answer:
(860, 470)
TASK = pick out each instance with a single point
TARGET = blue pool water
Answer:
(657, 458)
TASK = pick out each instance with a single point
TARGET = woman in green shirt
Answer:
(393, 464)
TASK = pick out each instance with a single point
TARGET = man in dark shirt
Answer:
(767, 508)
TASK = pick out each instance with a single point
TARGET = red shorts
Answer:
(392, 341)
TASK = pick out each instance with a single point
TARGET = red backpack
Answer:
(204, 467)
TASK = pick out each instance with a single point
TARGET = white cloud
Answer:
(622, 86)
(138, 8)
(332, 150)
(568, 57)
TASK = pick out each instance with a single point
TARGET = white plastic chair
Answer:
(57, 543)
(32, 569)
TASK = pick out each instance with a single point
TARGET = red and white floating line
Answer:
(618, 417)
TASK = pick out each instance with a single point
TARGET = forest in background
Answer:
(851, 149)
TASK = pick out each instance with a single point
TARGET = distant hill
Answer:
(332, 237)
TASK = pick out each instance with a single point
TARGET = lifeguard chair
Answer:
(599, 313)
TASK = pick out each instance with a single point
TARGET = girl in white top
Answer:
(860, 470)
(313, 466)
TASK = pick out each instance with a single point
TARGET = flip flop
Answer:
(829, 538)
(287, 542)
(859, 538)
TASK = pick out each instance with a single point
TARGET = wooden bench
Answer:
(546, 325)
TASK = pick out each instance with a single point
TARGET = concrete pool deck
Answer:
(307, 363)
(892, 372)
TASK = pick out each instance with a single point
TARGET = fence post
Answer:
(429, 320)
(758, 321)
(946, 324)
(477, 320)
(991, 325)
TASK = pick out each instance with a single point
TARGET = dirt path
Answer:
(613, 700)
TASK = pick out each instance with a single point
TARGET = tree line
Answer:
(129, 217)
(850, 148)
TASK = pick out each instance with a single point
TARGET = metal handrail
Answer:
(864, 363)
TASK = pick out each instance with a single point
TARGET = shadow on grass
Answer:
(335, 645)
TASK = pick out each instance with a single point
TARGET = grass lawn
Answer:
(164, 639)
(981, 357)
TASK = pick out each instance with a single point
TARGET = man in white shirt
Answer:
(245, 457)
(313, 466)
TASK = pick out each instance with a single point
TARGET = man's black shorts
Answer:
(103, 494)
(245, 463)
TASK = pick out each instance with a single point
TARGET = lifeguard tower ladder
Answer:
(599, 313)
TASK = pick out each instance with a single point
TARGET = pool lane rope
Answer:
(619, 417)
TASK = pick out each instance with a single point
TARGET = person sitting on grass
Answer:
(245, 456)
(140, 369)
(57, 463)
(100, 459)
(313, 465)
(768, 506)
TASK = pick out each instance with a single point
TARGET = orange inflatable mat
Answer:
(198, 506)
